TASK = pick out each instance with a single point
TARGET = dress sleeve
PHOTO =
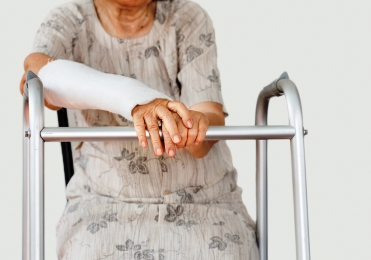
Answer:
(58, 33)
(198, 72)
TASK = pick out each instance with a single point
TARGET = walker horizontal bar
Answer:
(66, 134)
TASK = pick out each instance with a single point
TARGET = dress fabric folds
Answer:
(123, 201)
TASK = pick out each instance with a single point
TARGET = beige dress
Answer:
(123, 201)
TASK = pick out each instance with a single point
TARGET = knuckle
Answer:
(193, 132)
(171, 128)
(152, 128)
(168, 142)
(203, 128)
(159, 108)
(137, 111)
(175, 105)
(167, 137)
(156, 143)
(142, 137)
(165, 134)
(138, 121)
(167, 116)
(154, 136)
(155, 139)
(169, 145)
(138, 125)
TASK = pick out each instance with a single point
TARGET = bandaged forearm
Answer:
(76, 86)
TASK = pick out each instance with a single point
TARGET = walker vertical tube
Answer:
(262, 180)
(26, 181)
(36, 164)
(298, 169)
(261, 114)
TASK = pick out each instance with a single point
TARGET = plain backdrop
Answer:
(325, 48)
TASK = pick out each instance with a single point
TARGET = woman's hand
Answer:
(146, 117)
(205, 113)
(181, 128)
(190, 136)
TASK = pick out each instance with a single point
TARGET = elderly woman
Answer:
(132, 63)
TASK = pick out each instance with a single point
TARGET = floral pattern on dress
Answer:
(207, 39)
(173, 213)
(185, 197)
(193, 52)
(124, 202)
(151, 51)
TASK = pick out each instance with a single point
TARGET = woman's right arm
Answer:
(77, 86)
(54, 40)
(34, 62)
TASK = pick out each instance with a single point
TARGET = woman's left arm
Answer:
(204, 114)
(198, 76)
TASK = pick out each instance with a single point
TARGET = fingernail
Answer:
(171, 152)
(189, 123)
(159, 151)
(180, 149)
(177, 139)
(196, 143)
(144, 144)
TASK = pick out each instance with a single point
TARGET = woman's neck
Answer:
(126, 18)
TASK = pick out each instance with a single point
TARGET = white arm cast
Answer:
(76, 86)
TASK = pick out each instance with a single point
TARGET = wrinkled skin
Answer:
(182, 128)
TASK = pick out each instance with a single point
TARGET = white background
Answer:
(324, 46)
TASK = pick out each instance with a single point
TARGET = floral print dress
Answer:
(123, 201)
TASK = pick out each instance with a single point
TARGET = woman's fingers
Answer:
(197, 133)
(181, 127)
(182, 111)
(169, 145)
(183, 132)
(168, 121)
(203, 125)
(146, 116)
(140, 129)
(153, 129)
(192, 133)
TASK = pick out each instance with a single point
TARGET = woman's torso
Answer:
(123, 169)
(177, 208)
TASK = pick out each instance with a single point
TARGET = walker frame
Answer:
(35, 134)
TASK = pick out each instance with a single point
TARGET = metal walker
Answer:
(35, 134)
